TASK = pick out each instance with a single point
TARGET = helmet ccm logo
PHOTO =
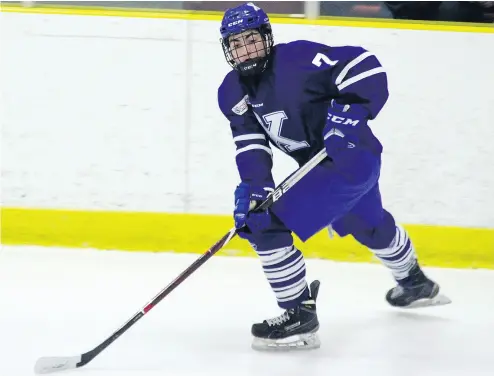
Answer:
(235, 23)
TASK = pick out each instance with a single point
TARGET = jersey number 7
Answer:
(319, 58)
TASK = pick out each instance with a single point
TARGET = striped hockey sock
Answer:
(400, 256)
(285, 270)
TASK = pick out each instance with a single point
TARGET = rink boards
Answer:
(436, 245)
(55, 195)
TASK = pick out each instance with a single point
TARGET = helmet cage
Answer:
(254, 65)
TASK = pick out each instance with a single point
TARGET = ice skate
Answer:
(416, 291)
(295, 329)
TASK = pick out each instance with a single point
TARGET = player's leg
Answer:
(374, 227)
(284, 267)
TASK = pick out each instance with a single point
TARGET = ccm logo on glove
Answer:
(342, 120)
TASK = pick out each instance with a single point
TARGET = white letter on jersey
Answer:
(274, 125)
(317, 60)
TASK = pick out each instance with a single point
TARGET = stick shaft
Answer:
(277, 193)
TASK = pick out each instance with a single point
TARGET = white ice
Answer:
(62, 302)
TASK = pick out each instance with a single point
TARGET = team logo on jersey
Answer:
(241, 107)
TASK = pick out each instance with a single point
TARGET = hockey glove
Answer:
(250, 222)
(343, 124)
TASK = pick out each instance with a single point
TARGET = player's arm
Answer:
(253, 155)
(351, 74)
(357, 83)
(360, 78)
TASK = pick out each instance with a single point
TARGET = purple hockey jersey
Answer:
(287, 105)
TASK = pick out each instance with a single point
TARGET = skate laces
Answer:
(278, 320)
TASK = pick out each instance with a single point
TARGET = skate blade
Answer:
(297, 342)
(438, 300)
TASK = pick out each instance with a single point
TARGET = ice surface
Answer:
(62, 302)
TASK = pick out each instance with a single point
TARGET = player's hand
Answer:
(244, 219)
(343, 123)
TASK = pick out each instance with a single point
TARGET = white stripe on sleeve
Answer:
(253, 147)
(360, 76)
(251, 136)
(350, 65)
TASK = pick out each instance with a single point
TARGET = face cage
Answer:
(267, 40)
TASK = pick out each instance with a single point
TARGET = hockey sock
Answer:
(285, 270)
(399, 256)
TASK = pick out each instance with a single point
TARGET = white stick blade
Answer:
(56, 364)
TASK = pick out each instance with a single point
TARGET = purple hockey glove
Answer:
(343, 125)
(254, 221)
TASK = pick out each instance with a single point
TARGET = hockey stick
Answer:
(53, 364)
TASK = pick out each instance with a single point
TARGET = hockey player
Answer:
(303, 96)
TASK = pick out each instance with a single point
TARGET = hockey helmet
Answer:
(246, 54)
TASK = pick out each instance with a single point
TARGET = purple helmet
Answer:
(237, 20)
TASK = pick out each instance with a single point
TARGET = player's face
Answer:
(247, 45)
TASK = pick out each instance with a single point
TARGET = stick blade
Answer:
(56, 363)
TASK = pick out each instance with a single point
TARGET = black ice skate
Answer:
(295, 329)
(416, 291)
